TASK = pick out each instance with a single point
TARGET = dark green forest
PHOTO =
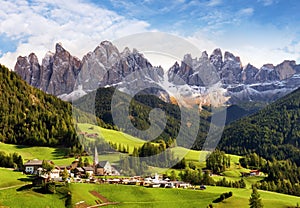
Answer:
(273, 132)
(29, 116)
(100, 101)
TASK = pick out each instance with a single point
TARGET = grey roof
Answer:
(35, 162)
(79, 169)
(88, 168)
(102, 163)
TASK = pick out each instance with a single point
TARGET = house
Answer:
(88, 170)
(74, 164)
(55, 173)
(31, 166)
(105, 168)
(78, 171)
(254, 173)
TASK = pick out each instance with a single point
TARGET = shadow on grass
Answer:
(29, 178)
(25, 188)
(59, 153)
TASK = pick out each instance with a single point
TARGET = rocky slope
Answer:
(241, 83)
(66, 76)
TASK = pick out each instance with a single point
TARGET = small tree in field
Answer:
(255, 200)
(64, 175)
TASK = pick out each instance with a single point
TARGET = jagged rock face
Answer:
(202, 71)
(248, 74)
(198, 72)
(61, 73)
(216, 59)
(56, 75)
(96, 64)
(231, 69)
(29, 69)
(267, 74)
(241, 84)
(22, 68)
(65, 69)
(286, 69)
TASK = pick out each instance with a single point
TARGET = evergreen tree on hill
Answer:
(255, 200)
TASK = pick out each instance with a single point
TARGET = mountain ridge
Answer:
(64, 75)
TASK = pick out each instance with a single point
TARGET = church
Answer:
(103, 167)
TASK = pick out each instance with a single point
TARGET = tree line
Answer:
(29, 116)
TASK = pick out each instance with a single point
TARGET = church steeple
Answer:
(96, 156)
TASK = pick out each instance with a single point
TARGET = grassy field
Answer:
(241, 198)
(57, 155)
(12, 196)
(9, 178)
(123, 138)
(112, 136)
(28, 199)
(47, 153)
(136, 196)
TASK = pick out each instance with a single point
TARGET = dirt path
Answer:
(9, 187)
(104, 200)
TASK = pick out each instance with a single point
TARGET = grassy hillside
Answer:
(272, 132)
(136, 196)
(123, 138)
(100, 101)
(29, 116)
(112, 135)
(10, 178)
(57, 155)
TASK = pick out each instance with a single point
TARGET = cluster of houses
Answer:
(153, 182)
(99, 168)
(102, 168)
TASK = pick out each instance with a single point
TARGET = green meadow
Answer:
(9, 178)
(15, 198)
(137, 196)
(112, 135)
(57, 155)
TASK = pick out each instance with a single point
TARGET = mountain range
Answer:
(68, 77)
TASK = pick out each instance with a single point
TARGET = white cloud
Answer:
(214, 2)
(37, 26)
(202, 42)
(247, 11)
(267, 2)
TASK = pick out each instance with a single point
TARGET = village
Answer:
(102, 172)
(89, 174)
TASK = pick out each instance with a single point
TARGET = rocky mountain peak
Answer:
(126, 52)
(107, 66)
(59, 49)
(230, 57)
(204, 55)
(269, 66)
(286, 69)
(33, 58)
(216, 58)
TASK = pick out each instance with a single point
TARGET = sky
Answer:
(258, 31)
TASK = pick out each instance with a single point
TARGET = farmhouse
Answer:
(88, 170)
(254, 173)
(32, 166)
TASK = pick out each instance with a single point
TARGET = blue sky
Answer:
(259, 31)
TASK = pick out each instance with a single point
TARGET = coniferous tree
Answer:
(255, 200)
